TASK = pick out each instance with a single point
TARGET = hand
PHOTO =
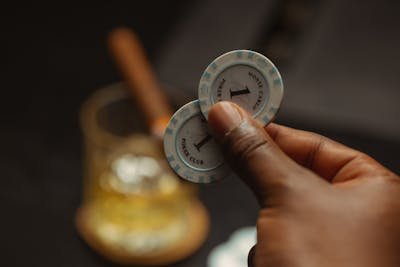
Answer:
(322, 203)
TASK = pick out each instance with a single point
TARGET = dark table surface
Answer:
(54, 58)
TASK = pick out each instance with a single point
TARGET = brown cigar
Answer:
(140, 78)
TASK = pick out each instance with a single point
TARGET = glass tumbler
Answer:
(134, 210)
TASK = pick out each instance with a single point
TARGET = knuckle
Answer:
(393, 180)
(317, 146)
(365, 159)
(379, 172)
(387, 180)
(385, 189)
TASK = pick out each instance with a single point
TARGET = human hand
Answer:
(322, 203)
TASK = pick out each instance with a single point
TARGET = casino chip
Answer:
(190, 149)
(246, 78)
(234, 252)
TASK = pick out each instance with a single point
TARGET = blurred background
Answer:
(339, 62)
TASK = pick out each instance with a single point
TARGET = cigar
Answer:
(131, 60)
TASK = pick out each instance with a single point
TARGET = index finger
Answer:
(313, 151)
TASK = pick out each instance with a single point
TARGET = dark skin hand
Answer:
(321, 203)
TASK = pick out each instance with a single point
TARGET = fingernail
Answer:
(224, 117)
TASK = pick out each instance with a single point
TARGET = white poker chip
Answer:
(233, 252)
(246, 78)
(190, 149)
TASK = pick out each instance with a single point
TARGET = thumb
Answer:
(252, 154)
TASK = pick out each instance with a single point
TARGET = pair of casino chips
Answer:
(244, 77)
